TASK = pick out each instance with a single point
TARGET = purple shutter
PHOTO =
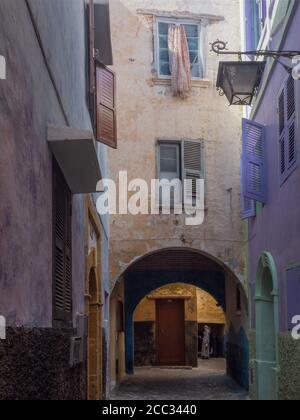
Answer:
(254, 161)
(287, 129)
(293, 294)
(248, 206)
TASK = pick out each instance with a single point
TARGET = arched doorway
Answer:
(267, 328)
(94, 340)
(169, 326)
(193, 267)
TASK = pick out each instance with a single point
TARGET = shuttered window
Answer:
(102, 81)
(287, 129)
(182, 160)
(106, 106)
(248, 207)
(254, 184)
(62, 248)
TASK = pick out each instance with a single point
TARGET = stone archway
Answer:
(188, 266)
(267, 328)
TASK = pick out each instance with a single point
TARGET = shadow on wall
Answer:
(237, 349)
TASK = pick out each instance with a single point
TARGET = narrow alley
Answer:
(207, 382)
(149, 200)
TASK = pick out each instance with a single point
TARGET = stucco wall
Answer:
(147, 112)
(28, 102)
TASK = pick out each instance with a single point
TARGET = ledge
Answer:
(204, 83)
(75, 152)
(180, 15)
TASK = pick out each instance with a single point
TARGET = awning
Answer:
(75, 152)
(103, 45)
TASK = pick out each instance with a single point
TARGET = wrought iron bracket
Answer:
(220, 48)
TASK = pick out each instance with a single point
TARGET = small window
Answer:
(287, 129)
(181, 160)
(193, 38)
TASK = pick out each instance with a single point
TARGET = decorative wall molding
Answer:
(174, 14)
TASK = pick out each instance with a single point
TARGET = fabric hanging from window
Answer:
(180, 65)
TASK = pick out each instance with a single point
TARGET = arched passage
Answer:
(267, 328)
(192, 267)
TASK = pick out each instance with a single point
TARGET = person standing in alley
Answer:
(206, 343)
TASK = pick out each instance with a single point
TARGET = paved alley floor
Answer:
(207, 382)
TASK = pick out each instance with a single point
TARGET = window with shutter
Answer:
(184, 161)
(106, 106)
(254, 161)
(62, 248)
(287, 129)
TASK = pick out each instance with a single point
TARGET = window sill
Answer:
(201, 83)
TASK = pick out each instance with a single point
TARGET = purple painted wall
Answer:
(27, 103)
(276, 228)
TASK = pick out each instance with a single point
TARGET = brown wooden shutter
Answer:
(106, 106)
(62, 248)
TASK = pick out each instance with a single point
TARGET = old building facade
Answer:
(149, 251)
(273, 226)
(54, 246)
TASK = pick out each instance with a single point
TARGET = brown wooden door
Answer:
(170, 332)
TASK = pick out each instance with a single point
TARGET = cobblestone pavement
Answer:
(207, 382)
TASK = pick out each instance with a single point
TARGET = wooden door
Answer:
(170, 332)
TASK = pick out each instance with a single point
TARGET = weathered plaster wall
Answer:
(39, 90)
(28, 102)
(207, 310)
(147, 112)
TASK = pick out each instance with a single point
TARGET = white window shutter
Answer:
(192, 164)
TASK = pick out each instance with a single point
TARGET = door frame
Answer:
(266, 265)
(157, 302)
(94, 303)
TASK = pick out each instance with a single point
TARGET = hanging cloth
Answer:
(179, 58)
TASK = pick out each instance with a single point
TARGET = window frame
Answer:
(177, 21)
(180, 144)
